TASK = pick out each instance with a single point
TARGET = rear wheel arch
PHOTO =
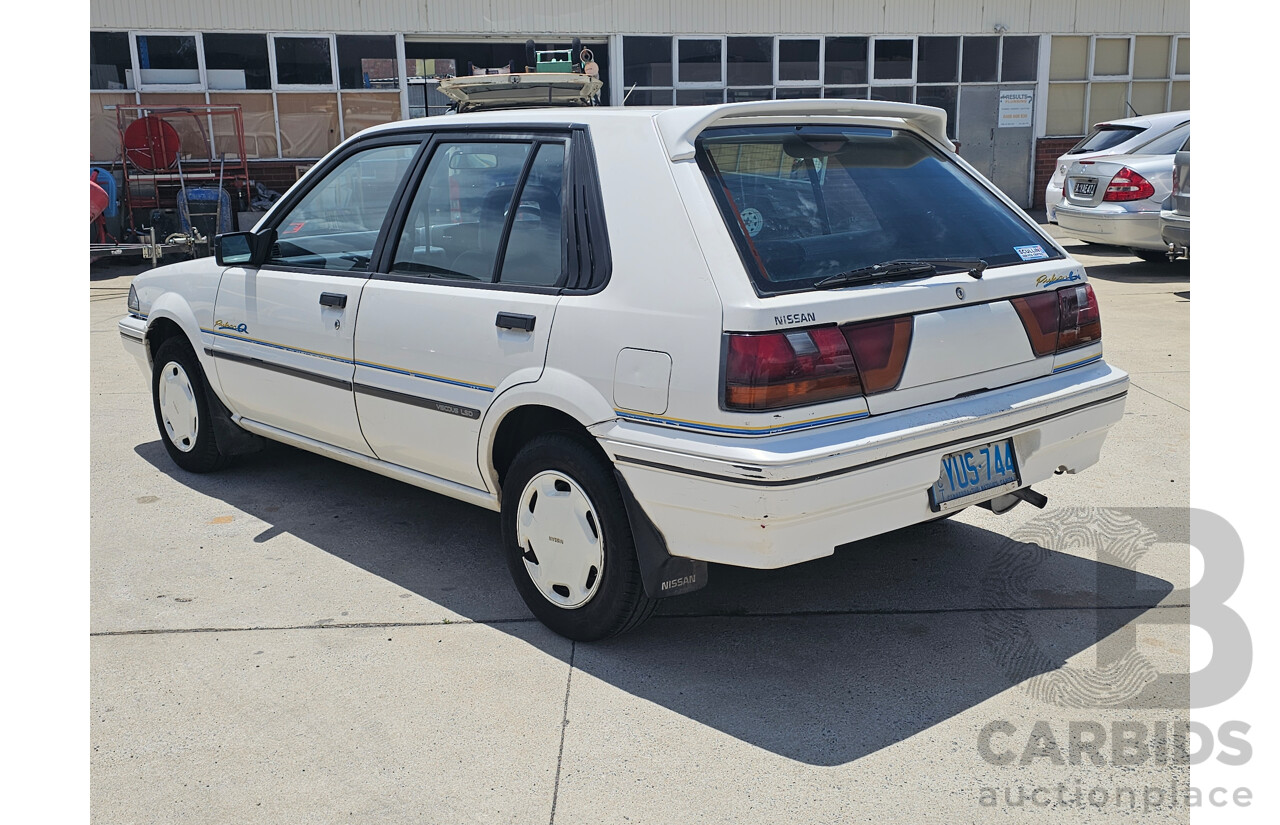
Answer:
(525, 423)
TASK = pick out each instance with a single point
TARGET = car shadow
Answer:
(823, 663)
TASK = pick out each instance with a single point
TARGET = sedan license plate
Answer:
(978, 473)
(1085, 187)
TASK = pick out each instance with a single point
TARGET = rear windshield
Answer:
(806, 203)
(1105, 137)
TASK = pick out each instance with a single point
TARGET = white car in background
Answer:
(742, 334)
(1130, 135)
(1116, 200)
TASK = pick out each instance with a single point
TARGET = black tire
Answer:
(616, 601)
(193, 447)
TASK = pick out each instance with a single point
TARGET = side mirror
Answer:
(244, 248)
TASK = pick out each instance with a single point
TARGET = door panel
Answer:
(467, 306)
(285, 359)
(284, 333)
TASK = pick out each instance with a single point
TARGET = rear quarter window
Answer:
(806, 203)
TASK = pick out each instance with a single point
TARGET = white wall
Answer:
(562, 18)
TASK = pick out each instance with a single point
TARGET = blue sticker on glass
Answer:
(1031, 253)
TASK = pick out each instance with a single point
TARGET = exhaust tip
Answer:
(1031, 497)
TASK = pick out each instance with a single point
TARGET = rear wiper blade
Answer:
(902, 270)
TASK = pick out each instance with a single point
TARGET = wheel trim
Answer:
(179, 412)
(559, 534)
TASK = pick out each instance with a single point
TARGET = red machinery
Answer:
(160, 164)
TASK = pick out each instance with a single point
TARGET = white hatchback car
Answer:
(651, 339)
(1128, 135)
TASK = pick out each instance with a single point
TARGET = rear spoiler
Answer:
(680, 126)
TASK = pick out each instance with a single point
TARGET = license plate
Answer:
(975, 474)
(1085, 187)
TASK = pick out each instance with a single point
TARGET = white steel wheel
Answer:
(179, 412)
(558, 532)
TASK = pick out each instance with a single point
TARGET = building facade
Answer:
(1021, 80)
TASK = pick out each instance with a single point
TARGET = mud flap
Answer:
(231, 438)
(662, 573)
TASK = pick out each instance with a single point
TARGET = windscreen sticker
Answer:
(1034, 252)
(294, 227)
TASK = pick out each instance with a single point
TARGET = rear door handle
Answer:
(513, 320)
(333, 299)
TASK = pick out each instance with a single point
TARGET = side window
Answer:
(464, 205)
(536, 247)
(336, 224)
(1166, 144)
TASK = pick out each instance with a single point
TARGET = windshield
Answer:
(1104, 137)
(807, 203)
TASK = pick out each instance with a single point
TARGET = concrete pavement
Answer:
(295, 640)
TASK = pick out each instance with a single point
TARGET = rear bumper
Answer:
(779, 500)
(1175, 228)
(1140, 230)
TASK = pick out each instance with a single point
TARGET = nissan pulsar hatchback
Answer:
(651, 339)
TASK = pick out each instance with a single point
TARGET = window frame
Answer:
(584, 227)
(320, 172)
(201, 85)
(276, 85)
(777, 62)
(872, 80)
(679, 84)
(1094, 77)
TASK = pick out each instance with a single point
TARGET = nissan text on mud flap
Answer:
(652, 339)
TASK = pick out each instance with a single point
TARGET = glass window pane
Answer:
(1068, 58)
(846, 60)
(698, 97)
(303, 61)
(1111, 56)
(458, 214)
(337, 222)
(938, 60)
(193, 132)
(893, 59)
(797, 92)
(898, 94)
(1019, 59)
(943, 97)
(110, 64)
(367, 62)
(699, 61)
(872, 195)
(750, 61)
(1149, 98)
(308, 124)
(1182, 64)
(647, 97)
(1151, 57)
(1065, 111)
(104, 135)
(980, 55)
(1181, 96)
(536, 244)
(742, 95)
(646, 61)
(846, 92)
(360, 111)
(258, 113)
(166, 58)
(798, 59)
(237, 61)
(1107, 102)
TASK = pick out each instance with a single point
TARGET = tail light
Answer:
(1059, 321)
(1128, 185)
(787, 369)
(1176, 186)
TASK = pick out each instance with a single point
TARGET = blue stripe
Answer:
(1097, 357)
(424, 377)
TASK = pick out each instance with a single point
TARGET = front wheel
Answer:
(568, 541)
(182, 408)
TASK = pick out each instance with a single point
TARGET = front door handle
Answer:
(333, 299)
(514, 320)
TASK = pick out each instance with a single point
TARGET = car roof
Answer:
(679, 125)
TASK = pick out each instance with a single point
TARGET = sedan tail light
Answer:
(1061, 320)
(1128, 185)
(773, 370)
